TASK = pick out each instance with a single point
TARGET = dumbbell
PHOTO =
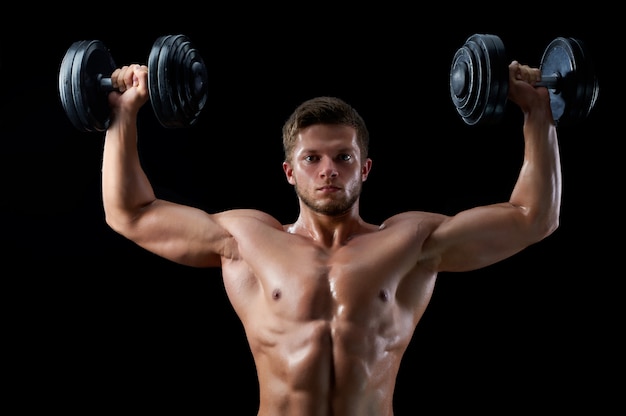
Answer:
(177, 83)
(479, 79)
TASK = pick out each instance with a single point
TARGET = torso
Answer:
(328, 326)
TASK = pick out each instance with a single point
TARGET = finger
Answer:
(129, 77)
(119, 80)
(516, 70)
(114, 77)
(535, 75)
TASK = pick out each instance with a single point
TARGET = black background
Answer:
(98, 324)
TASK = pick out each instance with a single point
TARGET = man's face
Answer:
(326, 168)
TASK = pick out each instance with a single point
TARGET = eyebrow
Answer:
(340, 150)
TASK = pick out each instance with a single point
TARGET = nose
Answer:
(328, 169)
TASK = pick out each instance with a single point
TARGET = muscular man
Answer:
(329, 303)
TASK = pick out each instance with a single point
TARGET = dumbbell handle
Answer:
(105, 83)
(548, 81)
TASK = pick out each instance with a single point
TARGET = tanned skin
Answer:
(330, 303)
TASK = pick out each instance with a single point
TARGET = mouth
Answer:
(329, 188)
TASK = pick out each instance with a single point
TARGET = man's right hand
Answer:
(130, 92)
(522, 90)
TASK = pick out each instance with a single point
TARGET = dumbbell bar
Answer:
(177, 83)
(479, 79)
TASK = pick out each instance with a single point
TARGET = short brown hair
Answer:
(324, 110)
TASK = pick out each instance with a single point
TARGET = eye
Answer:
(345, 157)
(311, 158)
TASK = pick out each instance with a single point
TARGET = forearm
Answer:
(538, 187)
(125, 186)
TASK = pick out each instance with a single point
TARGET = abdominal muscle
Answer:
(322, 368)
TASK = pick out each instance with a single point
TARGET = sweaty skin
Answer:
(329, 303)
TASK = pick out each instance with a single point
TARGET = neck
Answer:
(327, 230)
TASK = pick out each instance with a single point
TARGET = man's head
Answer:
(324, 110)
(326, 145)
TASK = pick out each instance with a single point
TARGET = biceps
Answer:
(480, 237)
(183, 234)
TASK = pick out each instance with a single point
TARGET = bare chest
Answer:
(306, 282)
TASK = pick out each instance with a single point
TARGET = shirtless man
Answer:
(329, 303)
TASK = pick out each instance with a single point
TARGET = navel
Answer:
(383, 295)
(276, 294)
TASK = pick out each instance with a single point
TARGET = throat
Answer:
(330, 233)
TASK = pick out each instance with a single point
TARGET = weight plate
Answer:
(65, 85)
(479, 79)
(177, 81)
(192, 91)
(575, 91)
(83, 67)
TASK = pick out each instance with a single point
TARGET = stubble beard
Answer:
(334, 207)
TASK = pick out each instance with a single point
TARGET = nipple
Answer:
(276, 294)
(383, 295)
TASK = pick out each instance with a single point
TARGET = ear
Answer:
(366, 169)
(288, 172)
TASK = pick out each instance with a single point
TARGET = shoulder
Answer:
(419, 219)
(247, 218)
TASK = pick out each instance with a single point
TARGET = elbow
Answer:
(119, 223)
(124, 218)
(545, 224)
(549, 227)
(540, 217)
(114, 224)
